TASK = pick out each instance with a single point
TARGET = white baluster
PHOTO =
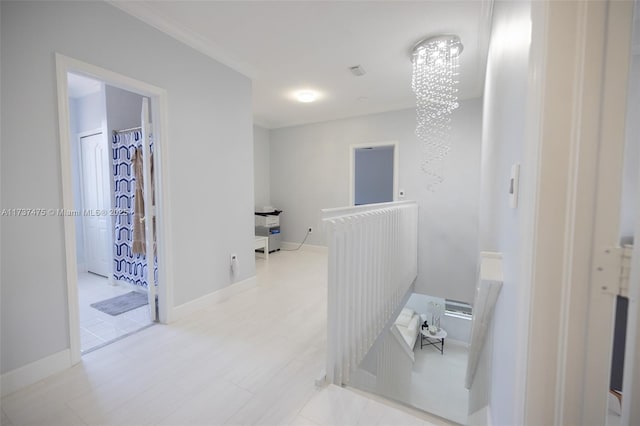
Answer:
(349, 335)
(340, 293)
(332, 304)
(372, 263)
(357, 267)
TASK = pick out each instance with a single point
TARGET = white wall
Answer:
(261, 171)
(123, 109)
(209, 155)
(89, 112)
(310, 171)
(86, 114)
(503, 144)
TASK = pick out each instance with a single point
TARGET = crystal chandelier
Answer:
(435, 71)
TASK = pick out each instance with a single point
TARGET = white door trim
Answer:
(631, 378)
(577, 211)
(158, 96)
(352, 166)
(149, 207)
(610, 164)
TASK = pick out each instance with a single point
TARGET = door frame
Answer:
(352, 166)
(606, 229)
(79, 136)
(158, 96)
(631, 376)
(577, 209)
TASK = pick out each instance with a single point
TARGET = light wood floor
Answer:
(252, 359)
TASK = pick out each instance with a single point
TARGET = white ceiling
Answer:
(284, 46)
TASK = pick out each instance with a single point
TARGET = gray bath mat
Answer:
(121, 304)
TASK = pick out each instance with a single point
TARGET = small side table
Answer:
(436, 340)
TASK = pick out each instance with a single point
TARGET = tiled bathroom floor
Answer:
(97, 328)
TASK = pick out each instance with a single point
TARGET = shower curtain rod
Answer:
(128, 130)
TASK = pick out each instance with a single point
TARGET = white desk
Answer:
(262, 243)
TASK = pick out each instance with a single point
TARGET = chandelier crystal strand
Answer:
(435, 71)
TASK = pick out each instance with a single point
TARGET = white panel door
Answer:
(97, 202)
(149, 208)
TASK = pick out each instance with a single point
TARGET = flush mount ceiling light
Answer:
(306, 96)
(434, 83)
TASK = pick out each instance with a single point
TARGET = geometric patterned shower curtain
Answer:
(127, 266)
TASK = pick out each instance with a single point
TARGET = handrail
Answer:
(338, 212)
(373, 261)
(489, 285)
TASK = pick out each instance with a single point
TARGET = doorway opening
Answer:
(114, 277)
(114, 200)
(374, 173)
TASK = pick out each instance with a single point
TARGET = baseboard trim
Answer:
(458, 342)
(305, 247)
(29, 374)
(482, 417)
(181, 311)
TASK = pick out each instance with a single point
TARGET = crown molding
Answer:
(146, 13)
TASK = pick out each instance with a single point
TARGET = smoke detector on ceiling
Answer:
(357, 70)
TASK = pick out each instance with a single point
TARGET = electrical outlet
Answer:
(310, 230)
(233, 263)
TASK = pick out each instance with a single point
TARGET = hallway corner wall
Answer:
(261, 166)
(503, 145)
